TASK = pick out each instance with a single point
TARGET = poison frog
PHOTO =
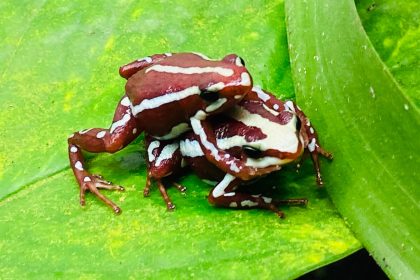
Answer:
(261, 131)
(164, 95)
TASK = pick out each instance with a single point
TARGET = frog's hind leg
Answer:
(226, 194)
(122, 131)
(163, 159)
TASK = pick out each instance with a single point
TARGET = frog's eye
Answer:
(252, 152)
(209, 96)
(242, 61)
(239, 61)
(298, 124)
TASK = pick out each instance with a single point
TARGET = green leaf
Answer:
(368, 122)
(60, 74)
(394, 30)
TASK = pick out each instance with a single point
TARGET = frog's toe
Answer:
(180, 187)
(100, 183)
(92, 184)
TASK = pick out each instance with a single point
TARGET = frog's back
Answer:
(179, 72)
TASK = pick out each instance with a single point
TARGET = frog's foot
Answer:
(314, 150)
(169, 205)
(180, 188)
(93, 183)
(146, 192)
(291, 202)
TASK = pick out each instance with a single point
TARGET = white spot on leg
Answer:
(152, 146)
(267, 199)
(229, 194)
(311, 146)
(233, 204)
(73, 149)
(248, 203)
(87, 179)
(101, 134)
(311, 130)
(134, 130)
(78, 165)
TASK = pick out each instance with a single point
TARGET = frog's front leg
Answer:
(310, 139)
(222, 159)
(163, 159)
(129, 69)
(122, 131)
(305, 129)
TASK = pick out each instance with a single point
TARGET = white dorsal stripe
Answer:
(167, 152)
(199, 131)
(190, 70)
(165, 99)
(279, 137)
(191, 148)
(175, 132)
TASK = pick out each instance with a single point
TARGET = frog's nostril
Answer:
(209, 96)
(252, 152)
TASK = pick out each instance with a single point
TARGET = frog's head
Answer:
(260, 136)
(226, 86)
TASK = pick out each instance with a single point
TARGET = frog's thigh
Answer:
(163, 157)
(122, 131)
